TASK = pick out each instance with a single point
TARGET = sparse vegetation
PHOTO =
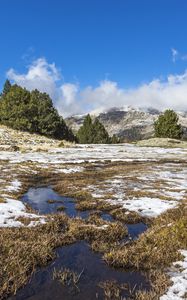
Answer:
(155, 249)
(111, 289)
(129, 217)
(158, 246)
(67, 277)
(2, 200)
(24, 249)
(61, 208)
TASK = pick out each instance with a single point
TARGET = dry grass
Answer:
(51, 201)
(159, 284)
(158, 280)
(128, 217)
(2, 200)
(82, 195)
(111, 290)
(147, 193)
(26, 221)
(86, 205)
(67, 277)
(97, 230)
(162, 142)
(158, 246)
(22, 250)
(61, 208)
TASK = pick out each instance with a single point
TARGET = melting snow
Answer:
(179, 278)
(71, 170)
(149, 207)
(11, 210)
(93, 153)
(118, 186)
(14, 186)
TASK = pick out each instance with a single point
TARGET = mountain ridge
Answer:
(128, 123)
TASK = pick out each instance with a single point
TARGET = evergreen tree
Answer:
(86, 131)
(167, 126)
(100, 134)
(92, 132)
(33, 112)
(115, 139)
(6, 87)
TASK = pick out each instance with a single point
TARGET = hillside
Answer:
(163, 143)
(128, 123)
(13, 140)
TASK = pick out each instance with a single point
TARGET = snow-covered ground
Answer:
(149, 192)
(178, 289)
(68, 160)
(13, 209)
(148, 207)
(94, 153)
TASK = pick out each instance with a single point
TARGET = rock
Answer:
(127, 123)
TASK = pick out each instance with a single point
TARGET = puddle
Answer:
(135, 230)
(107, 217)
(38, 199)
(77, 257)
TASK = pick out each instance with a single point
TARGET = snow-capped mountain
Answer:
(127, 122)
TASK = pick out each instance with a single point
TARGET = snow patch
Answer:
(148, 207)
(179, 279)
(13, 209)
(71, 170)
(14, 186)
(95, 153)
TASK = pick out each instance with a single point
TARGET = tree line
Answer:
(93, 132)
(34, 112)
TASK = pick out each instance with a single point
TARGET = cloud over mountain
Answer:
(70, 99)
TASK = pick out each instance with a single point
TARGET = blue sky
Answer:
(128, 42)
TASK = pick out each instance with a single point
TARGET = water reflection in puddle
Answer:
(38, 199)
(77, 257)
(135, 230)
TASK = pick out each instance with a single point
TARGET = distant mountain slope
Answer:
(128, 123)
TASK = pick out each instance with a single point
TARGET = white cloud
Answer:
(184, 57)
(40, 75)
(45, 77)
(171, 93)
(69, 99)
(175, 54)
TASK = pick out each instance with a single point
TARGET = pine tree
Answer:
(100, 134)
(167, 126)
(115, 139)
(6, 88)
(86, 131)
(92, 132)
(33, 112)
